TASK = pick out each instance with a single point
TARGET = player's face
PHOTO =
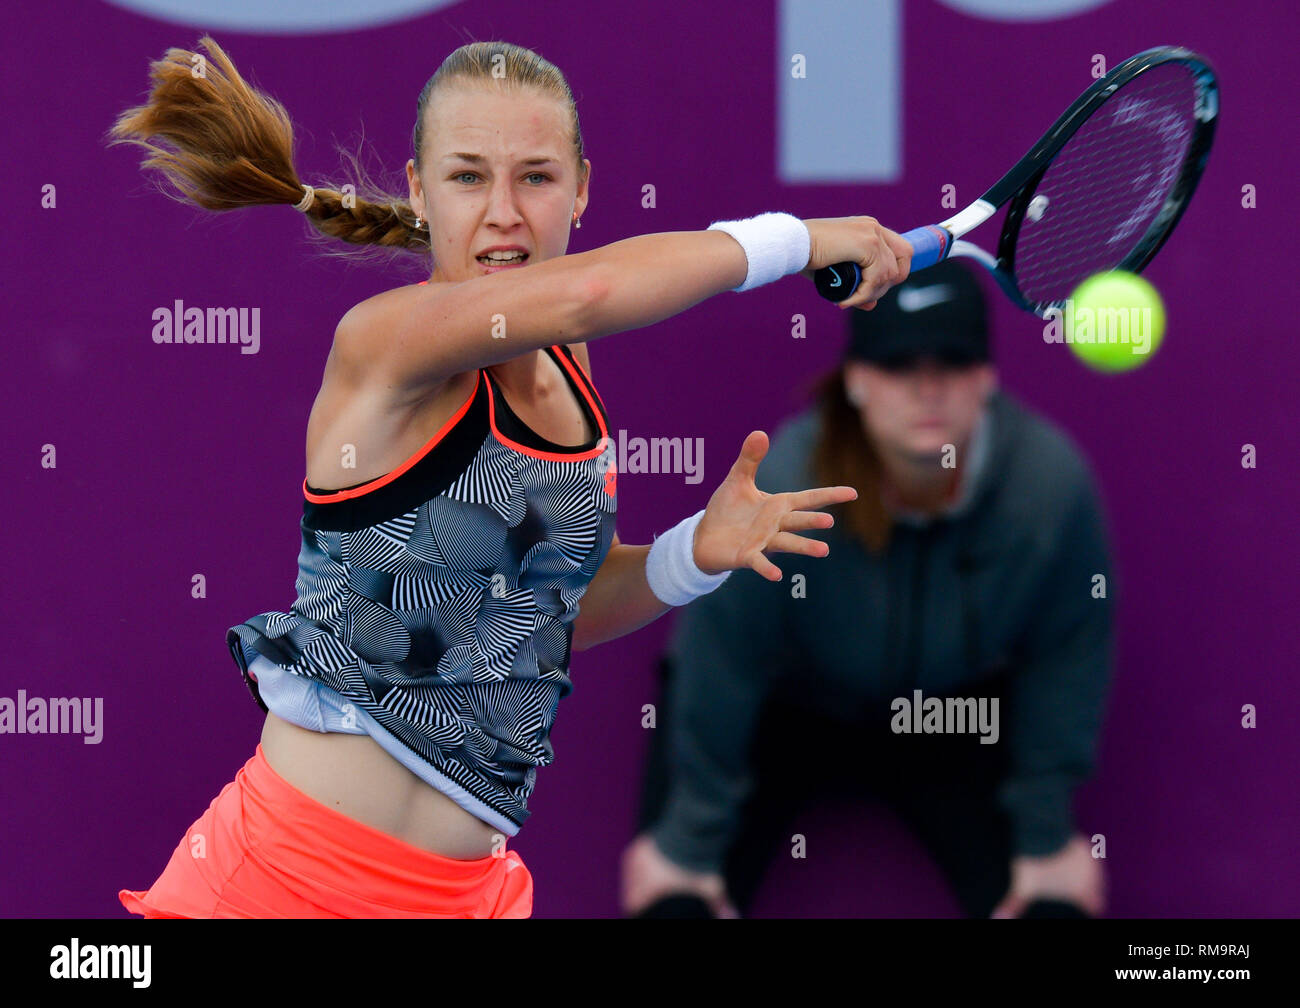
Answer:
(498, 197)
(913, 412)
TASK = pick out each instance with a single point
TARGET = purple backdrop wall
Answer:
(173, 461)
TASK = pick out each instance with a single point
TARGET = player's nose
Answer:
(502, 207)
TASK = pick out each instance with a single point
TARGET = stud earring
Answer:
(576, 222)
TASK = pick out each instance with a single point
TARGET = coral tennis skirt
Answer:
(265, 849)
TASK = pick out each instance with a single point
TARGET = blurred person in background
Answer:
(973, 564)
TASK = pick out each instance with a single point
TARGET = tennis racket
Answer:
(1102, 190)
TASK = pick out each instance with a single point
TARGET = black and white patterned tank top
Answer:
(440, 598)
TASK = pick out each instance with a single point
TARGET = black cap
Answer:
(938, 311)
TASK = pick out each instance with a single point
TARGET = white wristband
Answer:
(775, 244)
(670, 567)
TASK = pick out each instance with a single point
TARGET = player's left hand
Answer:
(1071, 874)
(741, 522)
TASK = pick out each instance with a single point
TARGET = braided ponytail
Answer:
(230, 146)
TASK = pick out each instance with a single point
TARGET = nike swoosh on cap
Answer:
(912, 299)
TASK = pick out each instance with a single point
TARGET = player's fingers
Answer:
(765, 567)
(854, 300)
(904, 269)
(785, 542)
(752, 451)
(902, 263)
(798, 521)
(858, 300)
(819, 497)
(901, 248)
(870, 268)
(882, 274)
(902, 251)
(879, 271)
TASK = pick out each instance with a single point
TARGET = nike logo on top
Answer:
(915, 298)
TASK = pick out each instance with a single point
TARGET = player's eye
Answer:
(541, 177)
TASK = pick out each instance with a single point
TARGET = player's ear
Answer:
(584, 180)
(413, 183)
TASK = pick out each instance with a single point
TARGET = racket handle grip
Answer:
(930, 245)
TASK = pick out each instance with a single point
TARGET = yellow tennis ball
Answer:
(1114, 321)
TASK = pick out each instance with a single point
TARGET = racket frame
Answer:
(1017, 187)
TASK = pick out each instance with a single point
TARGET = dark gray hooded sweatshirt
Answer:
(1005, 583)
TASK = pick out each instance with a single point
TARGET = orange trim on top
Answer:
(574, 456)
(574, 367)
(361, 491)
(589, 383)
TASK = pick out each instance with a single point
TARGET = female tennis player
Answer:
(459, 497)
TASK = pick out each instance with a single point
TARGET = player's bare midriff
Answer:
(353, 774)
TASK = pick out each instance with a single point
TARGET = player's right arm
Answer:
(415, 337)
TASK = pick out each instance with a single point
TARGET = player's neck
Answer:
(520, 375)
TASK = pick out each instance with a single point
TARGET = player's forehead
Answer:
(496, 123)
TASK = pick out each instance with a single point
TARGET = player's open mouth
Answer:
(500, 259)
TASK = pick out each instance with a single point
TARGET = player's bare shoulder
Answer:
(363, 329)
(367, 341)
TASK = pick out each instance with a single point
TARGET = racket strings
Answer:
(1107, 185)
